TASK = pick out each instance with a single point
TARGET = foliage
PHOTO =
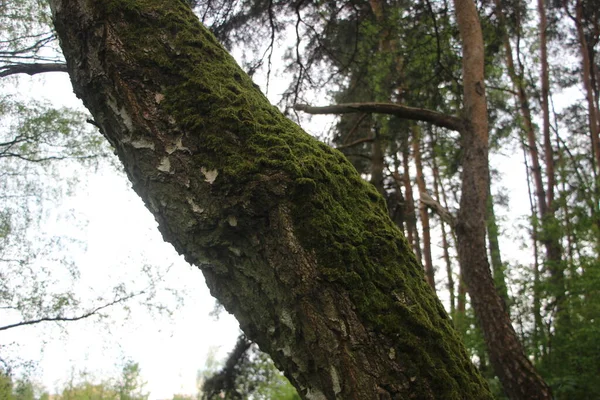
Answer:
(129, 386)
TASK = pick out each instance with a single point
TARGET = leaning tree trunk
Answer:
(517, 374)
(289, 237)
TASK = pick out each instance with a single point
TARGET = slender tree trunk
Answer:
(445, 245)
(288, 236)
(460, 317)
(424, 216)
(545, 80)
(586, 67)
(518, 377)
(495, 255)
(396, 202)
(523, 100)
(377, 164)
(411, 217)
(537, 307)
(549, 237)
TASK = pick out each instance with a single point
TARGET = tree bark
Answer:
(495, 255)
(517, 374)
(289, 237)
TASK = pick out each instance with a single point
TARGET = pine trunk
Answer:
(517, 374)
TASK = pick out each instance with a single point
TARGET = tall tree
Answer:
(288, 236)
(506, 352)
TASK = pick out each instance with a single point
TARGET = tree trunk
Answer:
(377, 163)
(424, 216)
(495, 255)
(518, 377)
(289, 237)
(411, 215)
(445, 244)
(586, 68)
(549, 237)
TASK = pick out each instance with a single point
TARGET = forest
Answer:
(438, 238)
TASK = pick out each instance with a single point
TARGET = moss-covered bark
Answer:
(289, 237)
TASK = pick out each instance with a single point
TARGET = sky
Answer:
(116, 235)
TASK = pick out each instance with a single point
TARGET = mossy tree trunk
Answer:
(289, 237)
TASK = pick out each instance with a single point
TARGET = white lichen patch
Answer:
(232, 220)
(237, 252)
(286, 350)
(209, 176)
(142, 144)
(286, 319)
(153, 205)
(121, 112)
(159, 97)
(177, 145)
(313, 394)
(335, 380)
(392, 353)
(165, 165)
(195, 207)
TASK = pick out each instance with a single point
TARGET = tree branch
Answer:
(76, 318)
(32, 69)
(358, 141)
(412, 113)
(443, 213)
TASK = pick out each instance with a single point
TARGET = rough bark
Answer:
(289, 237)
(517, 374)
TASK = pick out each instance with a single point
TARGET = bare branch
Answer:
(32, 69)
(354, 143)
(76, 318)
(399, 110)
(443, 213)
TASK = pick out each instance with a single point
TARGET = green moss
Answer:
(339, 216)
